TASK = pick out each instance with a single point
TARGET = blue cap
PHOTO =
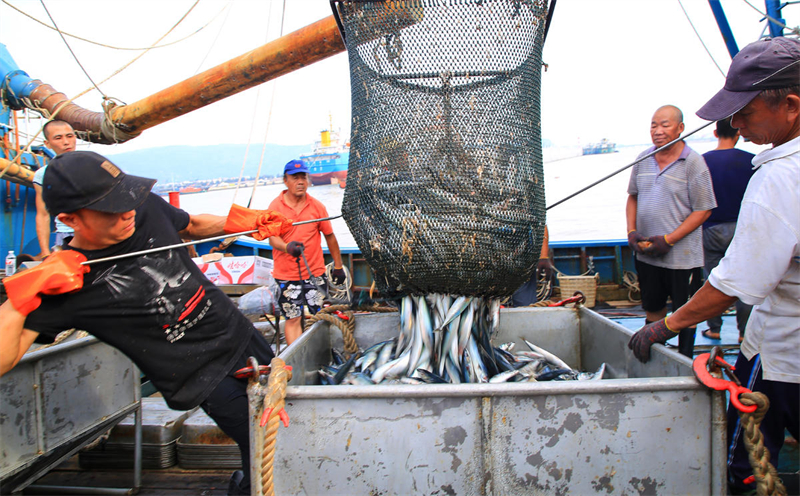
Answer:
(295, 167)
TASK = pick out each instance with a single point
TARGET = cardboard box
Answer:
(237, 270)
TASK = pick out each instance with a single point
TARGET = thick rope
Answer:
(61, 337)
(274, 401)
(767, 480)
(346, 326)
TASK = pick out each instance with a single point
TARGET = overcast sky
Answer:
(611, 63)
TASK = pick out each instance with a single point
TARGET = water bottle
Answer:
(11, 263)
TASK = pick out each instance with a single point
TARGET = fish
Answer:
(385, 354)
(503, 376)
(370, 356)
(547, 355)
(344, 369)
(593, 376)
(391, 370)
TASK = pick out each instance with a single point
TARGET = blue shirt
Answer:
(730, 170)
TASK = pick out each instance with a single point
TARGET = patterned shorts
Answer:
(291, 293)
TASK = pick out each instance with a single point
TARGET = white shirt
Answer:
(762, 264)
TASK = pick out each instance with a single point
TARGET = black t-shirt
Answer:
(183, 332)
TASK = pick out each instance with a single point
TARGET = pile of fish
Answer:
(446, 339)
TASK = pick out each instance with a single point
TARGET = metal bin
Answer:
(647, 429)
(57, 400)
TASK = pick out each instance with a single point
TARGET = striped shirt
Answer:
(665, 198)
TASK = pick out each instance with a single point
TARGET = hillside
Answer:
(192, 163)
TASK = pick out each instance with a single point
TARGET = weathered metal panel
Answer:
(646, 430)
(60, 394)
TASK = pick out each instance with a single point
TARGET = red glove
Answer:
(268, 222)
(60, 273)
(647, 336)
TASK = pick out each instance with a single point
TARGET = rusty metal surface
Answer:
(58, 396)
(646, 430)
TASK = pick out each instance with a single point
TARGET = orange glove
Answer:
(268, 222)
(60, 273)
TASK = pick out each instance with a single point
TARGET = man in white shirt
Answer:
(762, 265)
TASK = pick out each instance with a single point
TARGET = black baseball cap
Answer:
(771, 63)
(81, 179)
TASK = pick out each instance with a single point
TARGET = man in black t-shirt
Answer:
(183, 332)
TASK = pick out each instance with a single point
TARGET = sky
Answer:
(610, 64)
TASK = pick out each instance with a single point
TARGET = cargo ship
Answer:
(604, 146)
(328, 160)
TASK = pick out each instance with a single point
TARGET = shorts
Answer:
(293, 295)
(659, 283)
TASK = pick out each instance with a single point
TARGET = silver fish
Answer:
(547, 355)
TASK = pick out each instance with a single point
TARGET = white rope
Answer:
(338, 292)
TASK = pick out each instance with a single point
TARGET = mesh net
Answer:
(445, 192)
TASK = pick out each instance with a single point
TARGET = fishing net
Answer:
(445, 192)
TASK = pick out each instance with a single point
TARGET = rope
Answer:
(62, 336)
(269, 122)
(70, 48)
(700, 38)
(771, 19)
(347, 326)
(338, 292)
(111, 46)
(767, 480)
(274, 402)
(631, 281)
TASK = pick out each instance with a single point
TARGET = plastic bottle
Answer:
(11, 263)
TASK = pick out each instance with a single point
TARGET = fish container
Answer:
(644, 429)
(58, 399)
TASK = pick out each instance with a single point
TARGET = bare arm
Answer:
(277, 243)
(706, 303)
(692, 222)
(630, 212)
(333, 247)
(42, 223)
(204, 226)
(14, 338)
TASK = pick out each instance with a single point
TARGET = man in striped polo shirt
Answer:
(670, 195)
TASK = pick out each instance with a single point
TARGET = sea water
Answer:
(597, 214)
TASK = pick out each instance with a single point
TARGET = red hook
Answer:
(700, 368)
(575, 298)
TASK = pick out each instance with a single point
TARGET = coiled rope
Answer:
(767, 480)
(346, 325)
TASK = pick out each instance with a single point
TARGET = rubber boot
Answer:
(234, 486)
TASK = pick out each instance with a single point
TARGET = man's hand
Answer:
(659, 247)
(61, 272)
(269, 223)
(633, 241)
(544, 268)
(295, 248)
(647, 336)
(338, 276)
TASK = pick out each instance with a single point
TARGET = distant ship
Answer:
(327, 163)
(191, 189)
(605, 146)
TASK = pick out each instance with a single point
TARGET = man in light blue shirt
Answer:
(59, 137)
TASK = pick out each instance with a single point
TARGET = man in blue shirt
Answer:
(730, 170)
